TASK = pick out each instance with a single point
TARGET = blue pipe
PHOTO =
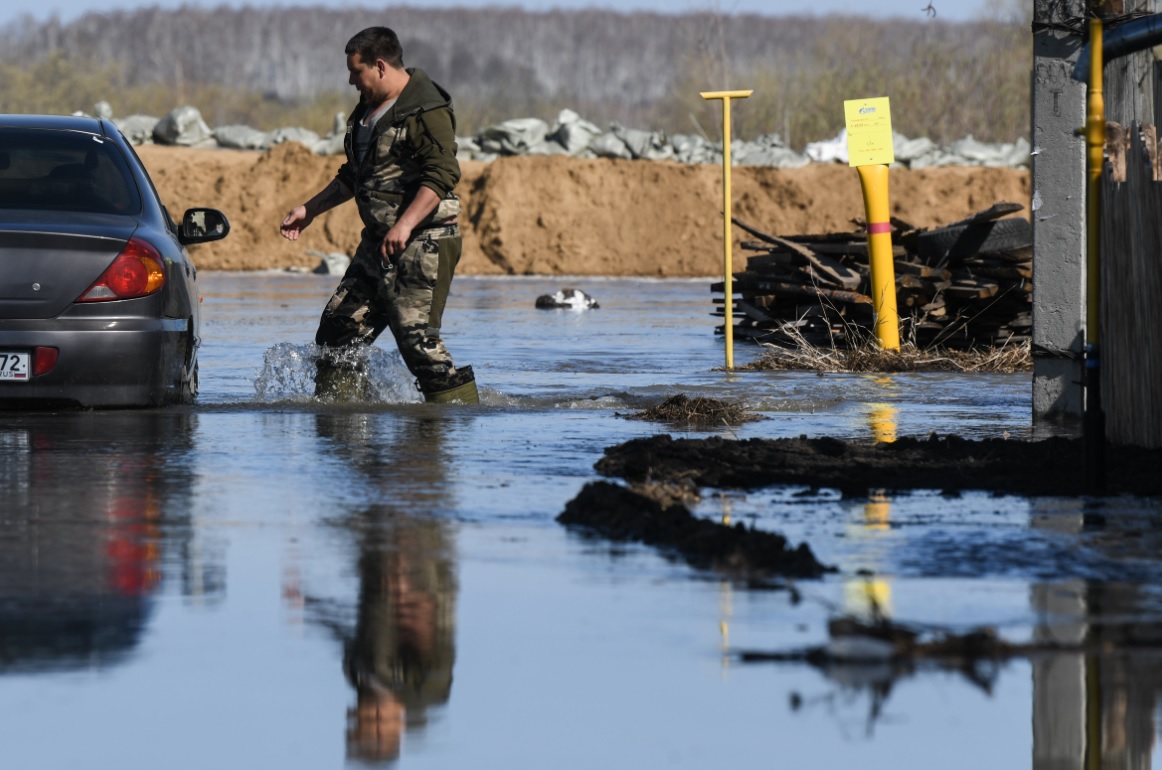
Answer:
(1122, 40)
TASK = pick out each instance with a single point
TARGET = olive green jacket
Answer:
(413, 145)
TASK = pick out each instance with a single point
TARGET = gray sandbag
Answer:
(976, 153)
(1021, 153)
(693, 149)
(332, 144)
(907, 150)
(609, 145)
(829, 150)
(466, 148)
(775, 157)
(238, 137)
(303, 136)
(766, 150)
(937, 158)
(182, 126)
(546, 147)
(513, 137)
(573, 133)
(647, 145)
(138, 129)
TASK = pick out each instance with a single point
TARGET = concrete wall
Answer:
(1058, 216)
(1058, 111)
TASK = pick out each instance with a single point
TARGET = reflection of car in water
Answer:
(98, 297)
(80, 548)
(78, 629)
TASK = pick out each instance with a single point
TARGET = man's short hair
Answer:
(376, 43)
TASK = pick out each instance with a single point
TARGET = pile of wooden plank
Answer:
(968, 284)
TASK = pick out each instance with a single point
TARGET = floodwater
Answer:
(264, 581)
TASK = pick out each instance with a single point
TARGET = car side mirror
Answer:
(202, 226)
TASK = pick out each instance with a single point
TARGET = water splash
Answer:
(288, 374)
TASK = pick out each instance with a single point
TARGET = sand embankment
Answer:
(561, 216)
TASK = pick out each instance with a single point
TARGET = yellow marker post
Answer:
(869, 149)
(727, 241)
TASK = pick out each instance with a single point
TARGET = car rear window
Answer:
(64, 171)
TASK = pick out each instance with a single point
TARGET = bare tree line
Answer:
(504, 62)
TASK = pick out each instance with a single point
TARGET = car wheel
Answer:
(189, 387)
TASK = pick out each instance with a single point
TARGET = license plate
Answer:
(14, 367)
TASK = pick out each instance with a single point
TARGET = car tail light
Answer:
(137, 272)
(43, 360)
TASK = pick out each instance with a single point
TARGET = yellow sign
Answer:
(869, 131)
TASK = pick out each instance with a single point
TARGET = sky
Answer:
(949, 10)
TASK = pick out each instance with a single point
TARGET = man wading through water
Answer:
(401, 168)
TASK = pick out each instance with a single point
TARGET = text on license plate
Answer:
(14, 366)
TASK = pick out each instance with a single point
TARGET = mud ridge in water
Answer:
(949, 463)
(622, 514)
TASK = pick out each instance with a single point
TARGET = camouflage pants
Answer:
(406, 294)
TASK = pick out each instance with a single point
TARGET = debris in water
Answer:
(696, 411)
(568, 299)
(623, 514)
(857, 650)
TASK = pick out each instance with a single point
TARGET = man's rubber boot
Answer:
(341, 384)
(461, 387)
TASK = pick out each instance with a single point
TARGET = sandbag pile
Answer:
(965, 285)
(573, 136)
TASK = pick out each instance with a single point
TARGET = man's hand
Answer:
(396, 240)
(295, 222)
(400, 233)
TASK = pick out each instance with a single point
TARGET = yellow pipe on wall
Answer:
(1095, 140)
(1093, 423)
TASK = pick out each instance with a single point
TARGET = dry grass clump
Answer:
(681, 489)
(696, 411)
(868, 356)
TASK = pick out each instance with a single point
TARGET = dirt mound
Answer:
(948, 463)
(561, 216)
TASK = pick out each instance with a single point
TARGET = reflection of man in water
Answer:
(400, 653)
(400, 658)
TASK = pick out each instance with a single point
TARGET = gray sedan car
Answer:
(98, 297)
